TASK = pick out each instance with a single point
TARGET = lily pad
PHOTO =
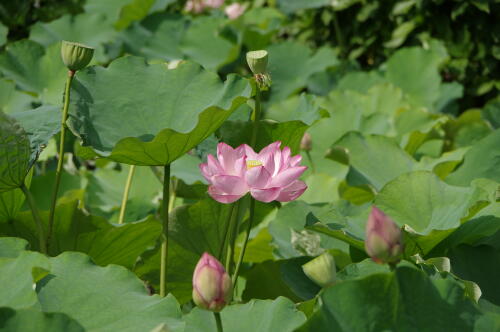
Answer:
(175, 110)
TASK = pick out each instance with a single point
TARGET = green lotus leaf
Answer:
(141, 114)
(13, 100)
(406, 300)
(428, 208)
(104, 298)
(35, 69)
(14, 154)
(257, 315)
(482, 160)
(17, 279)
(292, 63)
(32, 320)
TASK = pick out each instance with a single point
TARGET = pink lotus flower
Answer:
(272, 174)
(235, 10)
(195, 6)
(383, 238)
(198, 6)
(212, 285)
(214, 3)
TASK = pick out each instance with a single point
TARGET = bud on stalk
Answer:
(383, 238)
(321, 270)
(212, 286)
(306, 142)
(76, 56)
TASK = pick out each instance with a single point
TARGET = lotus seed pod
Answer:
(383, 238)
(76, 56)
(257, 61)
(321, 270)
(212, 286)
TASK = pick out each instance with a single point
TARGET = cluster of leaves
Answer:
(388, 137)
(372, 31)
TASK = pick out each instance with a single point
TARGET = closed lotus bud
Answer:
(257, 61)
(321, 270)
(383, 238)
(76, 56)
(306, 142)
(212, 286)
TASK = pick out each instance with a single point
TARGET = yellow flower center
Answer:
(253, 163)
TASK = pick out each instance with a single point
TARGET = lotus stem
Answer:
(164, 244)
(231, 236)
(60, 162)
(218, 321)
(36, 217)
(247, 235)
(126, 192)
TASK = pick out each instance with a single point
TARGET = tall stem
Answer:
(231, 235)
(247, 235)
(218, 321)
(313, 168)
(60, 162)
(338, 32)
(126, 192)
(36, 217)
(164, 245)
(226, 232)
(256, 117)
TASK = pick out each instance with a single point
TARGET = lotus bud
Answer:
(383, 238)
(306, 142)
(321, 270)
(257, 61)
(76, 56)
(212, 285)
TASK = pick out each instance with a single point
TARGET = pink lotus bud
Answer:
(235, 10)
(383, 238)
(212, 285)
(306, 142)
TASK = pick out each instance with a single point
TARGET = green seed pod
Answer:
(76, 56)
(321, 270)
(257, 61)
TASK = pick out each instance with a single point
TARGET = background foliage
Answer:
(400, 99)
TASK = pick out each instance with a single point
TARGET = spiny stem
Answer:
(218, 321)
(36, 217)
(164, 245)
(126, 192)
(60, 162)
(247, 235)
(231, 235)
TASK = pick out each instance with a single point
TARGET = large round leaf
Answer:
(31, 320)
(403, 301)
(429, 208)
(104, 298)
(143, 114)
(257, 315)
(35, 69)
(14, 154)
